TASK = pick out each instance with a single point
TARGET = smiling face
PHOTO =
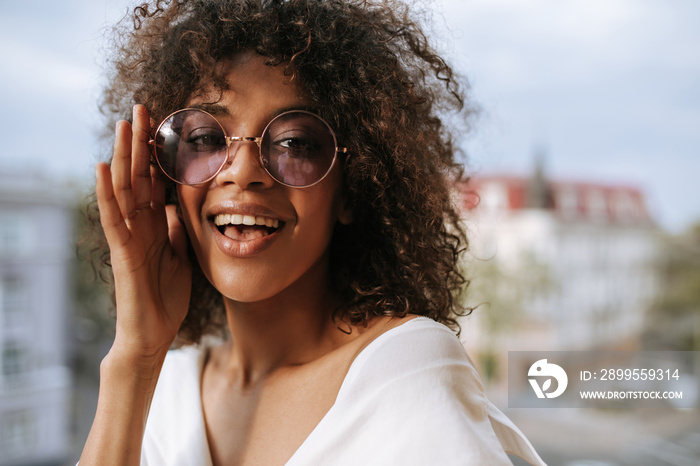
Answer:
(253, 237)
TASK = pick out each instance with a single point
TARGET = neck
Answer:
(291, 328)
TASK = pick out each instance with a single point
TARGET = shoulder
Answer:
(419, 358)
(412, 396)
(416, 345)
(421, 385)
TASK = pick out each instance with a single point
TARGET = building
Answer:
(572, 264)
(36, 216)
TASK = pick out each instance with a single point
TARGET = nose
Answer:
(243, 166)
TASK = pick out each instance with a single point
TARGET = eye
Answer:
(205, 140)
(298, 145)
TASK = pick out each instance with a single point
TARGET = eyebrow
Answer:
(214, 109)
(221, 110)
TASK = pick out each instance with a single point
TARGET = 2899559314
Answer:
(631, 374)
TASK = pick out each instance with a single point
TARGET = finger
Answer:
(176, 232)
(158, 201)
(141, 158)
(121, 170)
(111, 218)
(158, 188)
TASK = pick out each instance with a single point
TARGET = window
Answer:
(14, 302)
(567, 201)
(15, 233)
(15, 359)
(597, 204)
(494, 196)
(18, 432)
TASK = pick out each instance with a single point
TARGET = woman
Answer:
(289, 224)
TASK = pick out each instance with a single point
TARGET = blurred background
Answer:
(583, 209)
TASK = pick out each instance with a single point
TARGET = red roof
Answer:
(574, 200)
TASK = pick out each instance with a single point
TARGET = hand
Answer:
(147, 243)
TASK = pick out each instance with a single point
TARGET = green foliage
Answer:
(675, 319)
(502, 294)
(505, 291)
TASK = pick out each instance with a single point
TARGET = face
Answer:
(253, 237)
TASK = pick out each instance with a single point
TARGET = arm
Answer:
(152, 287)
(124, 400)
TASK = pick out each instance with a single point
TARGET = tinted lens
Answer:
(298, 148)
(190, 146)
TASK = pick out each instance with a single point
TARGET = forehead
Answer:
(251, 86)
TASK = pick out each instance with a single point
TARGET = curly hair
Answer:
(371, 72)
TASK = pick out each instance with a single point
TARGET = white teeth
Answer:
(222, 219)
(236, 219)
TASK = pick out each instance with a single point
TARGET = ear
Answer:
(345, 211)
(346, 216)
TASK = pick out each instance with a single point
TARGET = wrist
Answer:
(126, 361)
(127, 385)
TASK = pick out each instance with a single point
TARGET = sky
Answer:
(608, 90)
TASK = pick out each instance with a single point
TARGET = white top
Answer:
(411, 397)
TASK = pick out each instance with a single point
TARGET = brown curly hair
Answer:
(369, 69)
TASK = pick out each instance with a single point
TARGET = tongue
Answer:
(245, 233)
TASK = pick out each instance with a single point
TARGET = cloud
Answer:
(608, 86)
(29, 68)
(538, 43)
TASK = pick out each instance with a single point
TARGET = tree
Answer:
(502, 294)
(674, 321)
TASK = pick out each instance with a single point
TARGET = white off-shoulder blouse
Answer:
(411, 397)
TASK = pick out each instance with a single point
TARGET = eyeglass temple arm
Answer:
(152, 143)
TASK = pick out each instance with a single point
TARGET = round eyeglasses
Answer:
(297, 148)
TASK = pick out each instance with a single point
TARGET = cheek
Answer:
(317, 216)
(318, 210)
(315, 229)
